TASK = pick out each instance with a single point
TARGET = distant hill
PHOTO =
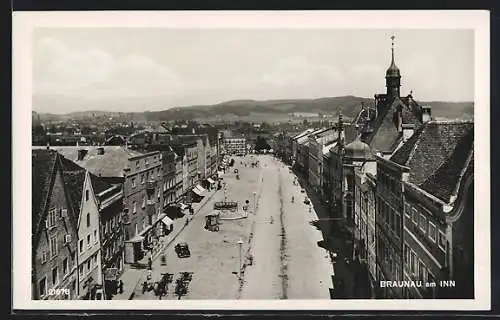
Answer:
(272, 110)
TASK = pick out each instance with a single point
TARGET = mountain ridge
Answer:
(274, 108)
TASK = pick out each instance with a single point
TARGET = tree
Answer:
(38, 130)
(261, 144)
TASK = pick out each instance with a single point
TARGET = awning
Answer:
(167, 221)
(210, 181)
(160, 218)
(200, 188)
(137, 238)
(198, 192)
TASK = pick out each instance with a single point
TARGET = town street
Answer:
(280, 236)
(289, 264)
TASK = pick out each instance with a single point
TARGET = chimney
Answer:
(426, 114)
(81, 154)
(100, 150)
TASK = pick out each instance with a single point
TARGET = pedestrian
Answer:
(120, 287)
(150, 263)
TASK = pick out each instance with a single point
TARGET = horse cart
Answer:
(212, 222)
(182, 284)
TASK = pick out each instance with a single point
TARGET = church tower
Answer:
(392, 77)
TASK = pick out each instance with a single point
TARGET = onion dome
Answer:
(357, 149)
(393, 71)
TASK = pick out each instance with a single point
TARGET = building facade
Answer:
(235, 145)
(143, 204)
(110, 199)
(317, 143)
(85, 204)
(54, 232)
(169, 177)
(434, 184)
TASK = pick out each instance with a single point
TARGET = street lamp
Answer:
(240, 243)
(254, 206)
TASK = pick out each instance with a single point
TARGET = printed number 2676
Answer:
(56, 292)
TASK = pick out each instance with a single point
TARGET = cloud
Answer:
(59, 69)
(300, 71)
(422, 83)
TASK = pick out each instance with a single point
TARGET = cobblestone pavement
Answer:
(281, 253)
(289, 264)
(214, 260)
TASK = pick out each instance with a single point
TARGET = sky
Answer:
(107, 68)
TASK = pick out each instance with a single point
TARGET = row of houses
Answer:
(403, 186)
(96, 209)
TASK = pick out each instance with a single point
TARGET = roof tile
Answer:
(74, 179)
(443, 182)
(43, 164)
(110, 164)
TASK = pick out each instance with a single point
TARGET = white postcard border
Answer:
(25, 22)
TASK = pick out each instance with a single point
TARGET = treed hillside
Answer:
(276, 109)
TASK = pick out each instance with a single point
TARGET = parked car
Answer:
(182, 250)
(307, 201)
(302, 190)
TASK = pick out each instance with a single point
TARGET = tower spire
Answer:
(392, 48)
(392, 75)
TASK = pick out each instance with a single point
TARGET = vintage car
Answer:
(307, 201)
(182, 250)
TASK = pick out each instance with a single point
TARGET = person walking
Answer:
(150, 263)
(120, 287)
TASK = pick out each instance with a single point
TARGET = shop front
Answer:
(208, 183)
(197, 193)
(133, 249)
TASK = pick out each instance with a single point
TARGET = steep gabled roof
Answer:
(447, 177)
(98, 184)
(43, 165)
(433, 146)
(385, 135)
(411, 111)
(74, 179)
